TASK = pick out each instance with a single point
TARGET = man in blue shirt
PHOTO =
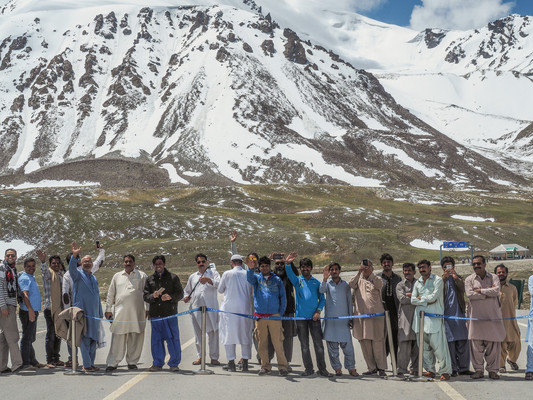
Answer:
(269, 301)
(28, 313)
(309, 304)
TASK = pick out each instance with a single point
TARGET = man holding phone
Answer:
(454, 305)
(162, 292)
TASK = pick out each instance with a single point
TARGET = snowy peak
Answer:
(206, 95)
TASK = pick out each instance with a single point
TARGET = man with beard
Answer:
(388, 295)
(407, 340)
(454, 305)
(86, 295)
(234, 329)
(486, 332)
(336, 331)
(9, 333)
(509, 300)
(428, 297)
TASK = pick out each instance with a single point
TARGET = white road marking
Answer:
(450, 391)
(138, 378)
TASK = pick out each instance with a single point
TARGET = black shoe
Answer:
(132, 366)
(514, 366)
(6, 371)
(308, 373)
(381, 372)
(454, 374)
(109, 368)
(325, 373)
(467, 372)
(370, 372)
(230, 366)
(244, 365)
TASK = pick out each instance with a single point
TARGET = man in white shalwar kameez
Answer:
(125, 304)
(201, 290)
(235, 329)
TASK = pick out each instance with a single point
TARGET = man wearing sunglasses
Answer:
(201, 290)
(487, 332)
(9, 333)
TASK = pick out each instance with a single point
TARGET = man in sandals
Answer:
(428, 296)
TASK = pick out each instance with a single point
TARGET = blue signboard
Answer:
(456, 245)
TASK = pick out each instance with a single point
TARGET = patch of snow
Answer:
(473, 219)
(48, 183)
(20, 246)
(173, 174)
(422, 244)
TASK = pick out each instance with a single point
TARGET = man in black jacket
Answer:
(162, 291)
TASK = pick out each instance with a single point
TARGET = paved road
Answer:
(124, 384)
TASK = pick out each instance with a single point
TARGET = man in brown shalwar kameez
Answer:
(509, 299)
(369, 331)
(483, 291)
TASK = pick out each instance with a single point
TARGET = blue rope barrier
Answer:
(431, 315)
(151, 319)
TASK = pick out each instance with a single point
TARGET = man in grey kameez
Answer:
(407, 344)
(486, 337)
(336, 331)
(455, 305)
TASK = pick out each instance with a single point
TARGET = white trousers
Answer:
(231, 350)
(129, 344)
(212, 337)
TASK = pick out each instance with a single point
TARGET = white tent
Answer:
(506, 251)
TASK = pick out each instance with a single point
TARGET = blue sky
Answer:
(448, 14)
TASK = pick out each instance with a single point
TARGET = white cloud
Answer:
(458, 14)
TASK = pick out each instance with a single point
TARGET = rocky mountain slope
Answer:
(147, 96)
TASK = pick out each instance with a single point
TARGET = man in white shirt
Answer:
(125, 303)
(201, 290)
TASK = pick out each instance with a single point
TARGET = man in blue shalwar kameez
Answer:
(86, 295)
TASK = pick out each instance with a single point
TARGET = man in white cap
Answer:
(235, 329)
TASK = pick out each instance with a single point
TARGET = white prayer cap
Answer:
(236, 257)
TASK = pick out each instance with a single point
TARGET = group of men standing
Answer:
(274, 296)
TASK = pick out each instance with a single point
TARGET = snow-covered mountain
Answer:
(474, 86)
(184, 92)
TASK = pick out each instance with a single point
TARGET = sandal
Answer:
(445, 377)
(529, 376)
(354, 373)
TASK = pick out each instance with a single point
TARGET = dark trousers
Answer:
(460, 355)
(315, 329)
(289, 331)
(52, 342)
(29, 330)
(394, 329)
